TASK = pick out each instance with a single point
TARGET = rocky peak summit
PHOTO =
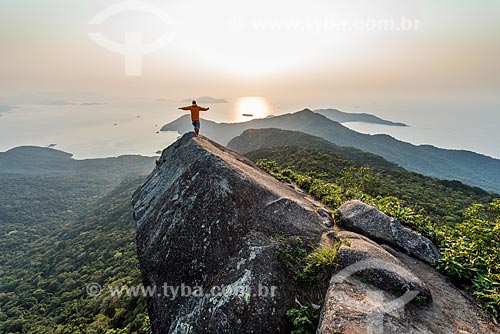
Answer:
(206, 217)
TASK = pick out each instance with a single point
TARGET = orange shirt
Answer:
(195, 111)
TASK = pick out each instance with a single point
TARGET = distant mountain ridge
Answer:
(468, 167)
(255, 139)
(205, 99)
(33, 99)
(345, 117)
(4, 108)
(443, 200)
(36, 160)
(90, 104)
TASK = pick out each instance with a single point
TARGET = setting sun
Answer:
(252, 107)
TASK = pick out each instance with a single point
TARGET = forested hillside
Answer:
(441, 199)
(254, 139)
(470, 247)
(53, 247)
(59, 232)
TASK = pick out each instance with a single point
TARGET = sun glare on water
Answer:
(251, 107)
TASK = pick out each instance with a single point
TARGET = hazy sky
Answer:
(312, 50)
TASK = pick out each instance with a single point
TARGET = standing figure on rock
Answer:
(195, 116)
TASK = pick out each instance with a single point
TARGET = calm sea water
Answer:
(110, 128)
(459, 126)
(132, 126)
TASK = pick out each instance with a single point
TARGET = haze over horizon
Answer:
(449, 53)
(431, 65)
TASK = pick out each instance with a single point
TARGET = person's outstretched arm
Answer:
(204, 109)
(184, 108)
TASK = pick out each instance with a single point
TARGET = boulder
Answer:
(353, 305)
(370, 291)
(370, 222)
(377, 266)
(207, 219)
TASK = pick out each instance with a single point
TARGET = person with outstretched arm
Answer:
(195, 116)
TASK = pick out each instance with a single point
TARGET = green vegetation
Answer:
(441, 200)
(304, 319)
(311, 267)
(471, 253)
(255, 139)
(322, 261)
(308, 263)
(470, 246)
(58, 233)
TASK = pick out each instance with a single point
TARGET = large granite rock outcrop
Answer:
(206, 217)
